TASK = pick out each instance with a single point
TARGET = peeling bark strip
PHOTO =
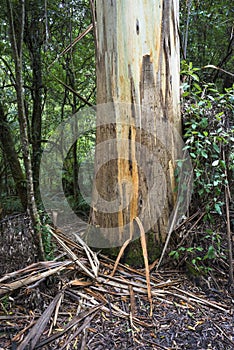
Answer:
(138, 71)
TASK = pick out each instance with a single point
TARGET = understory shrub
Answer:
(208, 122)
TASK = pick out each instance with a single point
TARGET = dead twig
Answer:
(72, 255)
(33, 336)
(124, 246)
(92, 257)
(224, 333)
(146, 261)
(25, 281)
(75, 41)
(69, 326)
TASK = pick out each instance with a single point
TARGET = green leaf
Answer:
(218, 115)
(198, 173)
(212, 90)
(197, 86)
(190, 249)
(182, 249)
(204, 153)
(194, 261)
(215, 162)
(204, 122)
(222, 164)
(174, 254)
(200, 249)
(218, 208)
(211, 253)
(216, 147)
(195, 77)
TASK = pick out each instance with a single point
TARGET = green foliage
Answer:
(209, 137)
(199, 258)
(208, 134)
(10, 204)
(206, 37)
(207, 113)
(85, 146)
(192, 257)
(47, 33)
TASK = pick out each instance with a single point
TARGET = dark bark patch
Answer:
(137, 27)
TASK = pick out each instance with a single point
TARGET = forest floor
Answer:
(76, 303)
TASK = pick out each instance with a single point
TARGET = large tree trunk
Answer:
(138, 119)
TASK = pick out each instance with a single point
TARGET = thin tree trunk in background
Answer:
(75, 170)
(75, 145)
(16, 37)
(137, 63)
(34, 38)
(185, 38)
(36, 120)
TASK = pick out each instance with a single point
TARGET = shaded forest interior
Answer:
(48, 75)
(58, 70)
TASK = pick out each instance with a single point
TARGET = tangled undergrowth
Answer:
(208, 118)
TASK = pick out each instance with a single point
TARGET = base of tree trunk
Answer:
(133, 253)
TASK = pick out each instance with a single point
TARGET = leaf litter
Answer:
(78, 302)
